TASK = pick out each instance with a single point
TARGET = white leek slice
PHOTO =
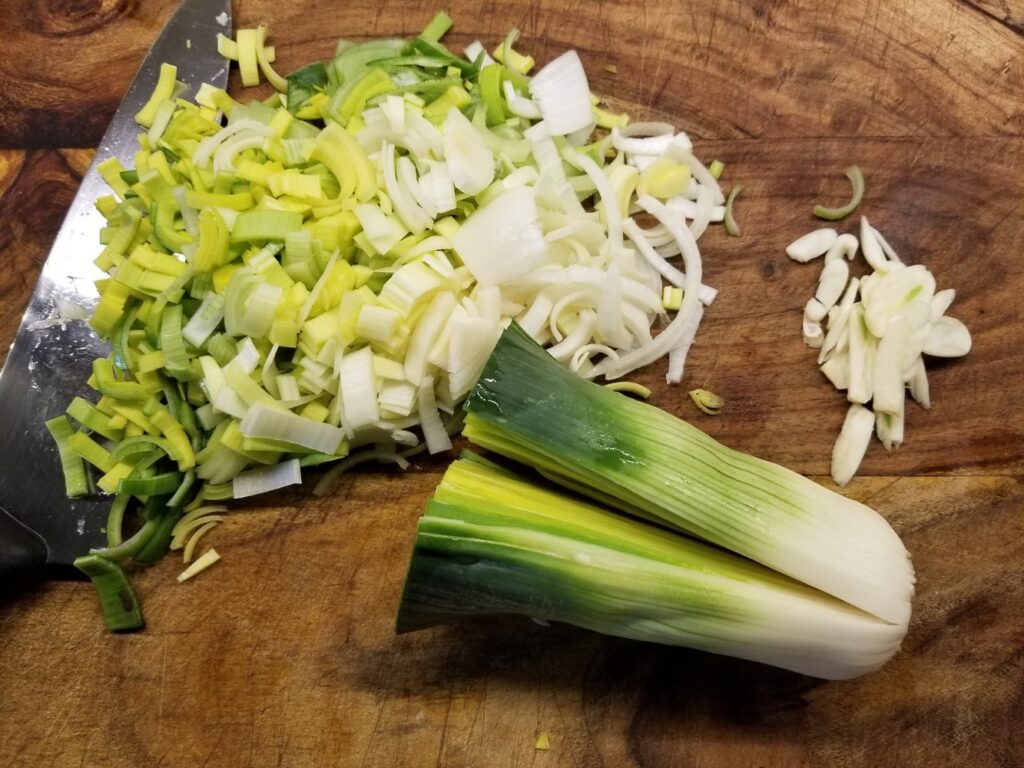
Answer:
(358, 389)
(376, 323)
(265, 479)
(502, 240)
(204, 561)
(470, 160)
(381, 230)
(248, 357)
(837, 335)
(813, 334)
(888, 250)
(586, 323)
(677, 330)
(562, 94)
(475, 50)
(647, 139)
(408, 210)
(815, 311)
(208, 146)
(677, 356)
(287, 427)
(397, 397)
(434, 433)
(518, 104)
(702, 214)
(205, 320)
(430, 326)
(609, 200)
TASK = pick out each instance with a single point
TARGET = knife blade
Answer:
(41, 530)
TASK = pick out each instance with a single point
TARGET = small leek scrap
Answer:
(643, 460)
(856, 177)
(491, 543)
(707, 401)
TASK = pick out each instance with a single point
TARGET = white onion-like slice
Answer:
(434, 434)
(470, 160)
(561, 92)
(266, 479)
(502, 240)
(677, 356)
(519, 104)
(583, 330)
(672, 335)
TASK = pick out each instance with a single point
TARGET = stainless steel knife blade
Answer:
(50, 358)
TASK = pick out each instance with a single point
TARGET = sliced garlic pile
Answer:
(872, 334)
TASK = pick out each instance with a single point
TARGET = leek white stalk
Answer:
(647, 461)
(491, 543)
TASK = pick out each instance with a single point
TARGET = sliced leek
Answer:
(329, 269)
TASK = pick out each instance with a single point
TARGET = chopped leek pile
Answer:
(805, 579)
(873, 333)
(318, 278)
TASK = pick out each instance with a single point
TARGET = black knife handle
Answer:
(22, 554)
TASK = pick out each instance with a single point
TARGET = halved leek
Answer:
(491, 543)
(629, 453)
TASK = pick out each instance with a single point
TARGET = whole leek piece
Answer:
(491, 543)
(644, 460)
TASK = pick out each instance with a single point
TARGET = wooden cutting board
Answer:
(284, 654)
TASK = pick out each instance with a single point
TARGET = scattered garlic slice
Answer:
(852, 443)
(812, 245)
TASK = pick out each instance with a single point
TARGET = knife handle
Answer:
(22, 554)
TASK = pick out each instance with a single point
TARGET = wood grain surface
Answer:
(284, 654)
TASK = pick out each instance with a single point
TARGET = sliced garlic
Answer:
(948, 338)
(812, 245)
(887, 249)
(835, 339)
(870, 247)
(941, 302)
(845, 246)
(891, 293)
(887, 373)
(852, 443)
(813, 335)
(837, 370)
(918, 383)
(889, 428)
(862, 345)
(832, 281)
(815, 311)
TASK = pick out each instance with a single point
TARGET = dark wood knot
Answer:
(71, 18)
